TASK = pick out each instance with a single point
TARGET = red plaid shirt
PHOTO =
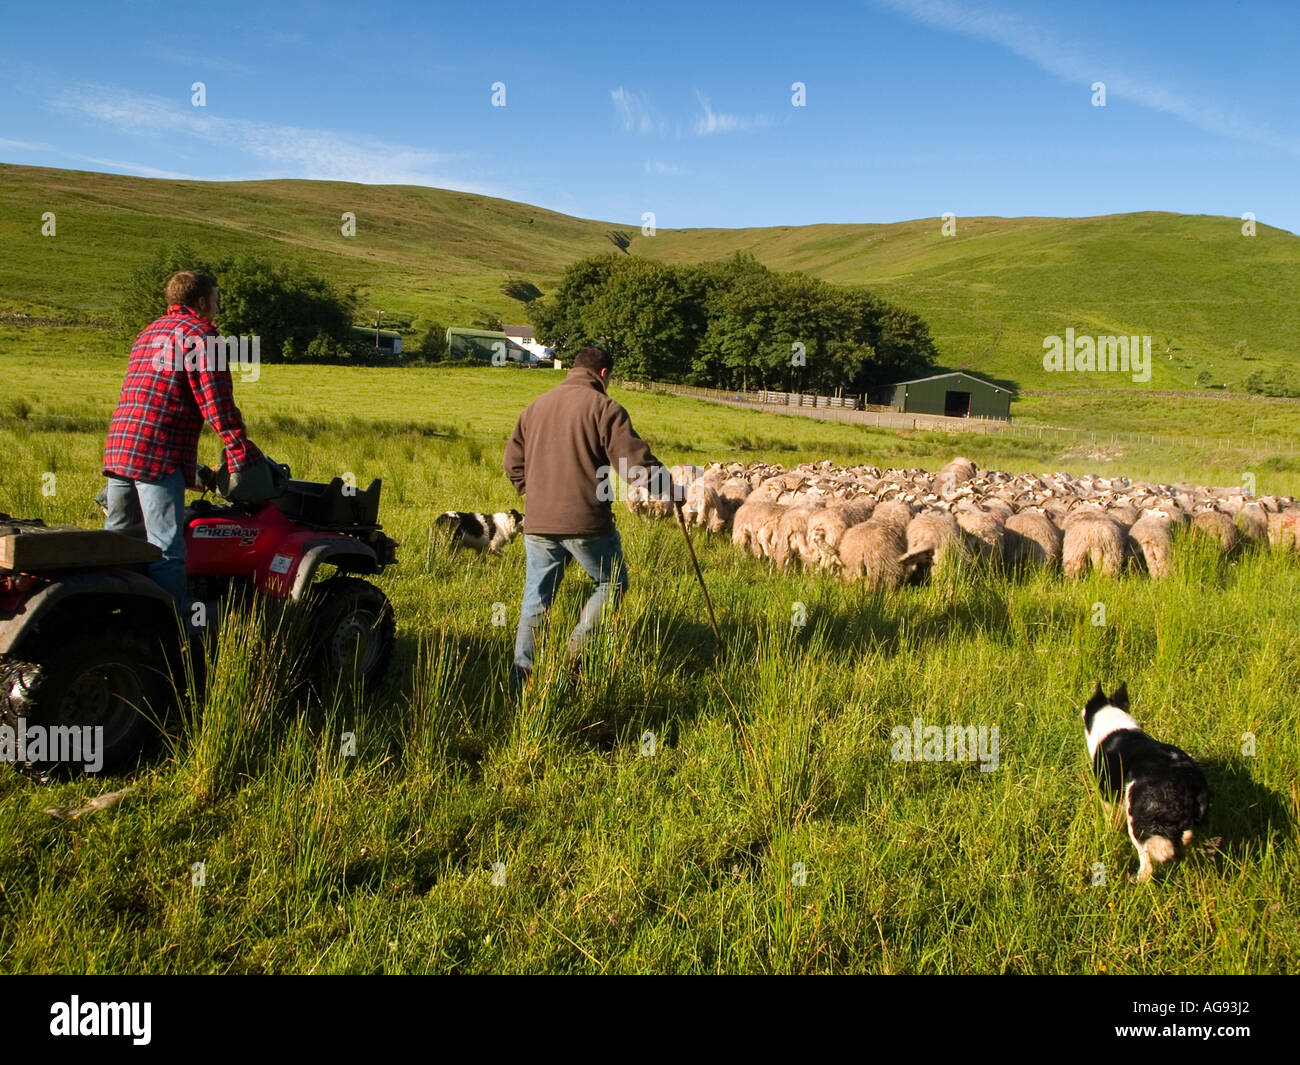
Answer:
(169, 392)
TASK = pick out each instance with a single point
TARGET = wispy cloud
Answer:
(635, 112)
(295, 151)
(137, 169)
(1061, 58)
(658, 166)
(192, 60)
(712, 121)
(23, 146)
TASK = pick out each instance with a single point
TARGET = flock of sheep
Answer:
(893, 527)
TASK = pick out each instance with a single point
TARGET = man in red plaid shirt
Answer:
(173, 385)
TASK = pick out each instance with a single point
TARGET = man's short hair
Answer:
(188, 288)
(594, 358)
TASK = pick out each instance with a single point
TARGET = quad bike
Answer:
(87, 639)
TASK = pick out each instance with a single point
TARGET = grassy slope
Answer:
(417, 250)
(775, 752)
(990, 293)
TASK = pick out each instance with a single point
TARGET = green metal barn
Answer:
(485, 345)
(955, 395)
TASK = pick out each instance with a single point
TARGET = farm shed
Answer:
(386, 340)
(483, 344)
(955, 395)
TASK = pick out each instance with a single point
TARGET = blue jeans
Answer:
(161, 505)
(601, 556)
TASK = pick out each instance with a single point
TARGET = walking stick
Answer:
(713, 622)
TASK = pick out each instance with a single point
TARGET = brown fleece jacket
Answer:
(560, 454)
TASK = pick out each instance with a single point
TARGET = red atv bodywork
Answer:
(265, 546)
(279, 544)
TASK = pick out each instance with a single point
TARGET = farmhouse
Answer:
(525, 337)
(956, 395)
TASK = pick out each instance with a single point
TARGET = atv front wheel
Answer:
(353, 632)
(115, 681)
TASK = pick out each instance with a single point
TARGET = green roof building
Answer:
(954, 395)
(485, 345)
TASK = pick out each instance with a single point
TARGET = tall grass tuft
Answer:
(433, 715)
(251, 688)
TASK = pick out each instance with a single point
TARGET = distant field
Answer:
(63, 370)
(769, 831)
(1215, 303)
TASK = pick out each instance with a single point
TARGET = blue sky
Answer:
(613, 109)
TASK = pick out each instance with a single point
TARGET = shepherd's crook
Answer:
(713, 622)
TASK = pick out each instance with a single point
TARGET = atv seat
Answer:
(334, 503)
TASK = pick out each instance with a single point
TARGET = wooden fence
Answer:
(842, 409)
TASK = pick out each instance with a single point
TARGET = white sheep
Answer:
(1150, 539)
(1284, 530)
(1218, 528)
(1032, 539)
(1093, 538)
(870, 553)
(790, 540)
(826, 527)
(1252, 523)
(754, 526)
(934, 544)
(984, 533)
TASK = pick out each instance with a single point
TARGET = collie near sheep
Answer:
(1092, 538)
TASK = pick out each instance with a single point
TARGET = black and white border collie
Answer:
(1163, 790)
(482, 532)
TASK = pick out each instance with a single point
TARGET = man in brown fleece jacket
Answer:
(563, 449)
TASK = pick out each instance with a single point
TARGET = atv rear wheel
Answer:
(115, 680)
(353, 632)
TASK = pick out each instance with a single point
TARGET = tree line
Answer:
(732, 323)
(729, 323)
(298, 316)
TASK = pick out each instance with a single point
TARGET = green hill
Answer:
(1218, 306)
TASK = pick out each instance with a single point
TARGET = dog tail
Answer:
(1161, 849)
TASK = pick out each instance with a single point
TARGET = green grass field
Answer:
(769, 831)
(1213, 301)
